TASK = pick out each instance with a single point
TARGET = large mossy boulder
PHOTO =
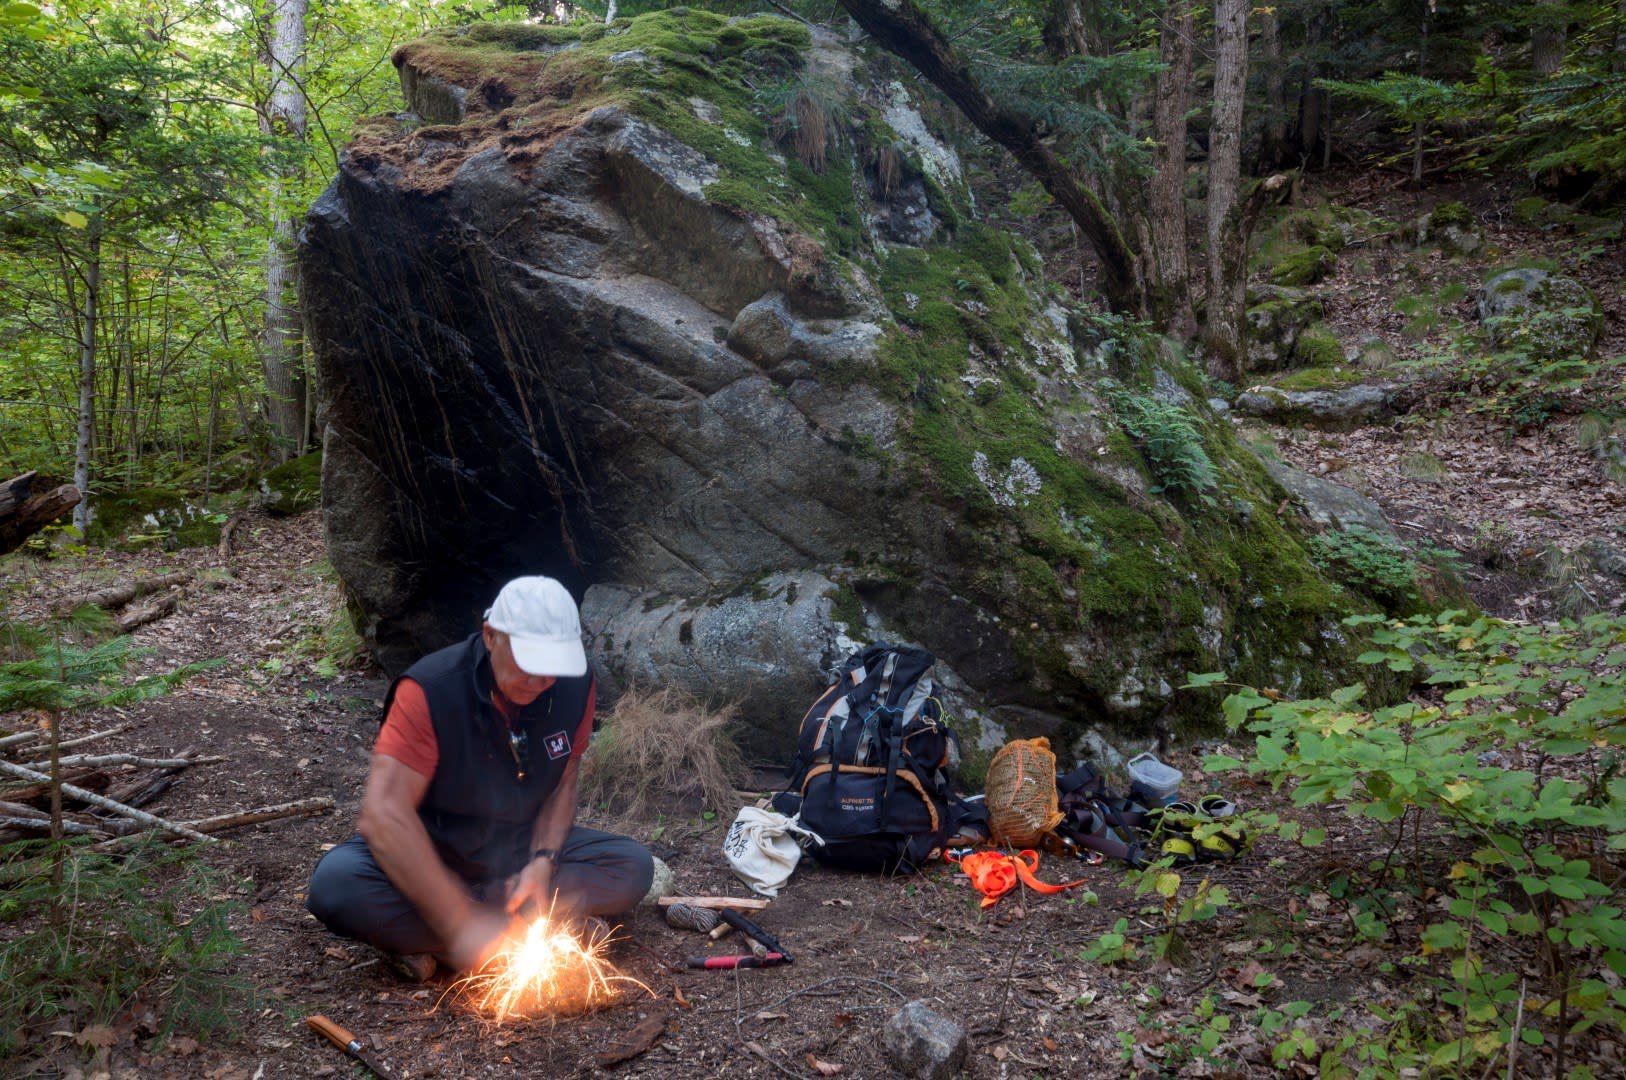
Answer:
(1548, 315)
(759, 396)
(293, 486)
(1277, 318)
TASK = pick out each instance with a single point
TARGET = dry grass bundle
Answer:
(661, 752)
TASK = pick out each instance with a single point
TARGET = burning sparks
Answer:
(549, 973)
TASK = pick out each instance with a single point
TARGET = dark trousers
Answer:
(599, 873)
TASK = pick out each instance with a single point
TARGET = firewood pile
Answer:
(102, 794)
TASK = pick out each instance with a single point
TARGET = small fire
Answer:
(548, 973)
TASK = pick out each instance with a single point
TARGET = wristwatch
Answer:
(551, 854)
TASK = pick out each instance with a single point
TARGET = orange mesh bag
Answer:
(1021, 792)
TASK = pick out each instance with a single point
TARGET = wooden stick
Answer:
(151, 613)
(144, 789)
(91, 779)
(66, 744)
(223, 549)
(716, 903)
(118, 595)
(18, 827)
(18, 737)
(108, 804)
(23, 810)
(34, 736)
(321, 804)
(77, 760)
(93, 736)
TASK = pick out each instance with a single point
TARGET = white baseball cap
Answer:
(543, 627)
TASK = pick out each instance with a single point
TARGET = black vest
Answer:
(478, 813)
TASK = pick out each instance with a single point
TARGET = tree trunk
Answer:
(1067, 32)
(1225, 332)
(903, 29)
(87, 376)
(1273, 153)
(24, 513)
(1619, 65)
(1171, 272)
(282, 352)
(1312, 102)
(1547, 38)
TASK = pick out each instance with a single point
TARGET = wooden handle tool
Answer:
(347, 1042)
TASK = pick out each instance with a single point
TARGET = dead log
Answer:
(119, 595)
(108, 804)
(145, 789)
(319, 804)
(223, 551)
(19, 822)
(152, 612)
(94, 779)
(104, 760)
(23, 737)
(24, 513)
(16, 828)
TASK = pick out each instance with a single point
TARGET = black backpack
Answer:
(870, 776)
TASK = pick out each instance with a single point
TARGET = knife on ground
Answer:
(347, 1042)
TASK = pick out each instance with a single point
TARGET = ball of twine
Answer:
(689, 917)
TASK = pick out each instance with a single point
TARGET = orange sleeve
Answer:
(408, 736)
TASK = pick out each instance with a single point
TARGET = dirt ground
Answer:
(1012, 976)
(863, 945)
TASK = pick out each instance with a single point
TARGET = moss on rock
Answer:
(1305, 266)
(1090, 568)
(294, 485)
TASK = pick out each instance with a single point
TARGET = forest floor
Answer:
(292, 727)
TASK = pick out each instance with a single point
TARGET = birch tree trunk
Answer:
(88, 328)
(282, 353)
(1171, 272)
(1225, 332)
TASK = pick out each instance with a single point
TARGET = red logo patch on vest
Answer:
(558, 745)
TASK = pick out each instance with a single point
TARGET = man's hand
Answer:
(481, 936)
(533, 886)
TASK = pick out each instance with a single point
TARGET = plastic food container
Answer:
(1152, 783)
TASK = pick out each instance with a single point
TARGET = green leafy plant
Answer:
(1368, 562)
(1168, 437)
(1426, 311)
(1512, 768)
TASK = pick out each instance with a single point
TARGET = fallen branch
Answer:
(223, 549)
(320, 804)
(20, 828)
(128, 759)
(108, 804)
(311, 807)
(119, 595)
(151, 613)
(143, 790)
(93, 736)
(22, 737)
(89, 779)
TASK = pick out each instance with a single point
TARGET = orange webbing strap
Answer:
(994, 873)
